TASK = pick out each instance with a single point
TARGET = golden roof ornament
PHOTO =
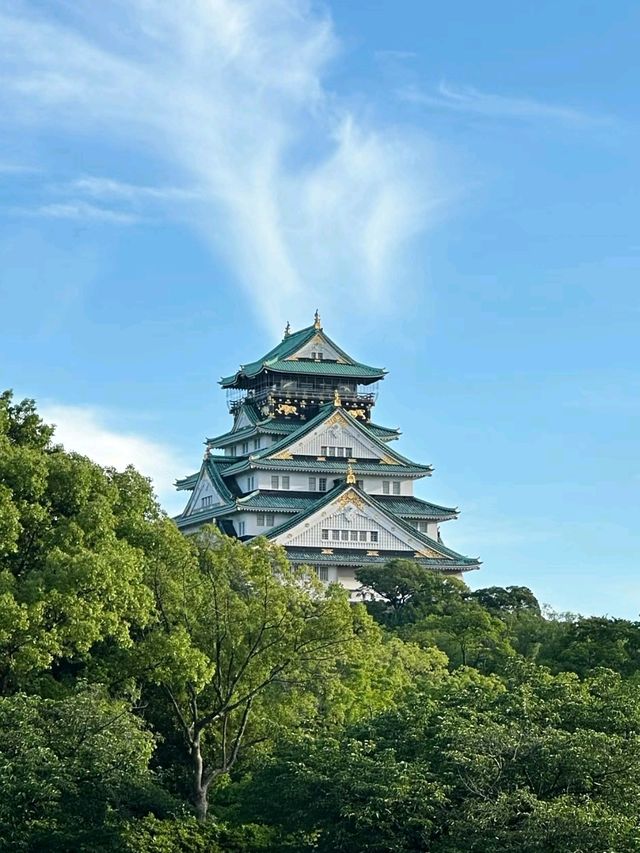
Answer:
(336, 398)
(317, 323)
(351, 477)
(287, 330)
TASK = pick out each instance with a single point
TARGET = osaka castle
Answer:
(305, 465)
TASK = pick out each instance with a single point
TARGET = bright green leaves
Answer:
(66, 766)
(69, 577)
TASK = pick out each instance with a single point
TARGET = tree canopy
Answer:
(161, 694)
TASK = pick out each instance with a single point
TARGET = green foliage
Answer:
(142, 672)
(72, 771)
(68, 579)
(406, 592)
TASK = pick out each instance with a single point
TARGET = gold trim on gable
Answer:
(429, 552)
(350, 498)
(284, 454)
(388, 460)
(336, 418)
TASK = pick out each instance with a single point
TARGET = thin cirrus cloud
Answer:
(465, 99)
(292, 189)
(87, 430)
(82, 211)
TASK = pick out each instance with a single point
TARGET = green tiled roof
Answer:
(345, 557)
(382, 432)
(333, 465)
(324, 413)
(410, 507)
(221, 462)
(187, 482)
(330, 496)
(325, 368)
(273, 502)
(275, 360)
(268, 426)
(275, 426)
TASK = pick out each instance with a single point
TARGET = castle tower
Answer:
(305, 466)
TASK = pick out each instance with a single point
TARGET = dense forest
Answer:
(162, 694)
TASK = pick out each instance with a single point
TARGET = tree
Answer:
(69, 579)
(466, 632)
(407, 591)
(241, 637)
(506, 600)
(526, 762)
(73, 772)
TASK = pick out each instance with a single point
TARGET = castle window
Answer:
(245, 446)
(256, 443)
(335, 534)
(348, 451)
(363, 535)
(322, 572)
(322, 484)
(385, 487)
(275, 481)
(312, 484)
(207, 501)
(373, 535)
(396, 487)
(270, 519)
(241, 528)
(354, 535)
(251, 483)
(331, 451)
(285, 482)
(344, 535)
(323, 450)
(325, 533)
(260, 519)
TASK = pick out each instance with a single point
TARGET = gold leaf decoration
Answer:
(350, 497)
(286, 409)
(284, 454)
(388, 460)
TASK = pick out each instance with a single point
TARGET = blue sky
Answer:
(455, 186)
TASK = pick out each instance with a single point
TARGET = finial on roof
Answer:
(317, 323)
(287, 330)
(351, 477)
(336, 398)
(207, 452)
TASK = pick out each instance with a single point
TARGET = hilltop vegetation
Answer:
(162, 694)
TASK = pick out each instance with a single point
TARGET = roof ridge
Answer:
(343, 487)
(324, 412)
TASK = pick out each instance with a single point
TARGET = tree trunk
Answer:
(200, 790)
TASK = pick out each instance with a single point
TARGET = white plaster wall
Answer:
(251, 522)
(309, 533)
(204, 489)
(300, 482)
(317, 344)
(336, 436)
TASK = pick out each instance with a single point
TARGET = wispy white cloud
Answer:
(89, 431)
(82, 211)
(466, 99)
(305, 200)
(108, 188)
